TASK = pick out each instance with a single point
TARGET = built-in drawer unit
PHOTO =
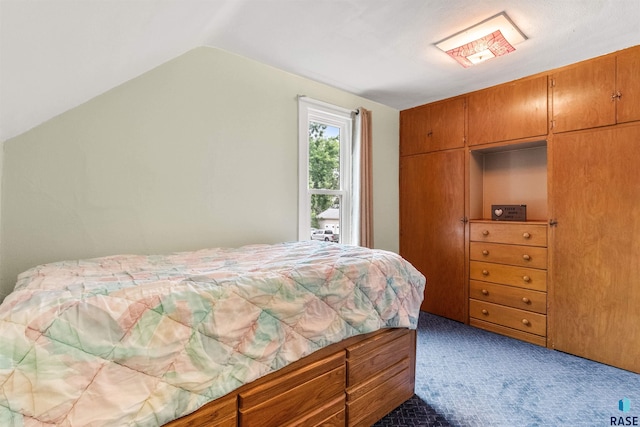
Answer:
(508, 278)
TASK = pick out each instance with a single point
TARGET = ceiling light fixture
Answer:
(495, 36)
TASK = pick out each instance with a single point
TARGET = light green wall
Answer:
(199, 152)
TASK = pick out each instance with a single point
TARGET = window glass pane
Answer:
(325, 217)
(324, 156)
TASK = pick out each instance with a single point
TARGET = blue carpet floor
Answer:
(468, 377)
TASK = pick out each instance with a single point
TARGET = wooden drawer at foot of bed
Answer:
(219, 413)
(380, 376)
(312, 395)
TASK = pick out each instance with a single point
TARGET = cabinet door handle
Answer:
(526, 235)
(485, 311)
(525, 322)
(526, 278)
(526, 300)
(526, 257)
(485, 292)
(485, 272)
(485, 252)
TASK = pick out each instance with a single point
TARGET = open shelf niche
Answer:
(509, 175)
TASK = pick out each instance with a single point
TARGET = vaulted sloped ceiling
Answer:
(57, 54)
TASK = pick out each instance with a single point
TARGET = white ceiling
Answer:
(57, 54)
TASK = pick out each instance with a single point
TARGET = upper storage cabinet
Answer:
(584, 95)
(433, 127)
(509, 111)
(598, 92)
(628, 71)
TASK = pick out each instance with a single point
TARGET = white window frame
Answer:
(311, 110)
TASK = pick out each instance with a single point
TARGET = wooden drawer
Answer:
(366, 359)
(511, 296)
(317, 394)
(368, 403)
(219, 413)
(516, 233)
(521, 320)
(380, 376)
(510, 332)
(336, 420)
(529, 278)
(524, 256)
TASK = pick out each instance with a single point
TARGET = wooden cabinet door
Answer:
(447, 124)
(431, 230)
(432, 127)
(509, 111)
(595, 299)
(584, 95)
(628, 83)
(414, 129)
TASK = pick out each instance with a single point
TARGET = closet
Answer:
(565, 143)
(596, 245)
(432, 202)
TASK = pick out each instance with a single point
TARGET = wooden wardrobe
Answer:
(565, 143)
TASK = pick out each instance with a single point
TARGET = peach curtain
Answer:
(366, 180)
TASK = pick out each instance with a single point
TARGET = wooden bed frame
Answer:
(352, 383)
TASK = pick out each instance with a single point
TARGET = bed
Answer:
(310, 333)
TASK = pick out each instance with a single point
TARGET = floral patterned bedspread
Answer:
(142, 340)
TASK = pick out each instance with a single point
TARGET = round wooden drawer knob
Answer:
(485, 292)
(485, 311)
(526, 257)
(526, 300)
(485, 272)
(526, 279)
(485, 232)
(525, 322)
(485, 252)
(526, 235)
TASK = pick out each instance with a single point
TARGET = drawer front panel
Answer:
(338, 419)
(524, 256)
(378, 401)
(529, 278)
(299, 402)
(382, 339)
(526, 321)
(264, 392)
(219, 413)
(510, 332)
(362, 366)
(511, 296)
(510, 233)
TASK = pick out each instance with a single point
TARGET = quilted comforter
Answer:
(142, 340)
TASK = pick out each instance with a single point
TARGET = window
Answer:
(324, 203)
